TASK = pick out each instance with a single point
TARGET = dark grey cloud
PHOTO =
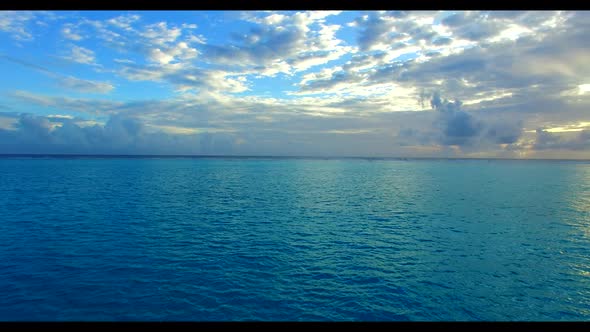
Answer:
(473, 25)
(410, 28)
(458, 127)
(373, 31)
(294, 39)
(442, 41)
(506, 132)
(383, 74)
(338, 78)
(545, 140)
(120, 135)
(455, 126)
(508, 14)
(390, 28)
(260, 46)
(456, 19)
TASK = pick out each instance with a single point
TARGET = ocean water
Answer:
(237, 239)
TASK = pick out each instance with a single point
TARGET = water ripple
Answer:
(336, 240)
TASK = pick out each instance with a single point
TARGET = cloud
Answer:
(65, 81)
(166, 55)
(210, 80)
(119, 135)
(504, 132)
(454, 126)
(387, 31)
(68, 33)
(16, 24)
(81, 105)
(377, 29)
(81, 55)
(27, 64)
(86, 85)
(306, 126)
(262, 125)
(168, 49)
(472, 25)
(185, 78)
(124, 21)
(300, 40)
(514, 75)
(21, 25)
(160, 33)
(277, 44)
(545, 140)
(332, 83)
(458, 126)
(519, 54)
(263, 45)
(157, 41)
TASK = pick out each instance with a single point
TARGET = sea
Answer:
(97, 238)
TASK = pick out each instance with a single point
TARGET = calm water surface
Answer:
(293, 239)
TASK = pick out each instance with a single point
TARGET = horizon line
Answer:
(196, 156)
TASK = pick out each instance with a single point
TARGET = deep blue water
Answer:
(293, 239)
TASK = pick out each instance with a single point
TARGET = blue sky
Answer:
(509, 84)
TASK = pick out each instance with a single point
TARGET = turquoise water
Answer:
(293, 239)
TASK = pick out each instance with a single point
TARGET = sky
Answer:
(468, 84)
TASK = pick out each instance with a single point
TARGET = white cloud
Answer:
(200, 39)
(124, 21)
(135, 72)
(181, 51)
(276, 67)
(81, 55)
(160, 34)
(157, 55)
(16, 24)
(68, 32)
(273, 19)
(583, 88)
(189, 26)
(60, 116)
(123, 61)
(511, 33)
(81, 85)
